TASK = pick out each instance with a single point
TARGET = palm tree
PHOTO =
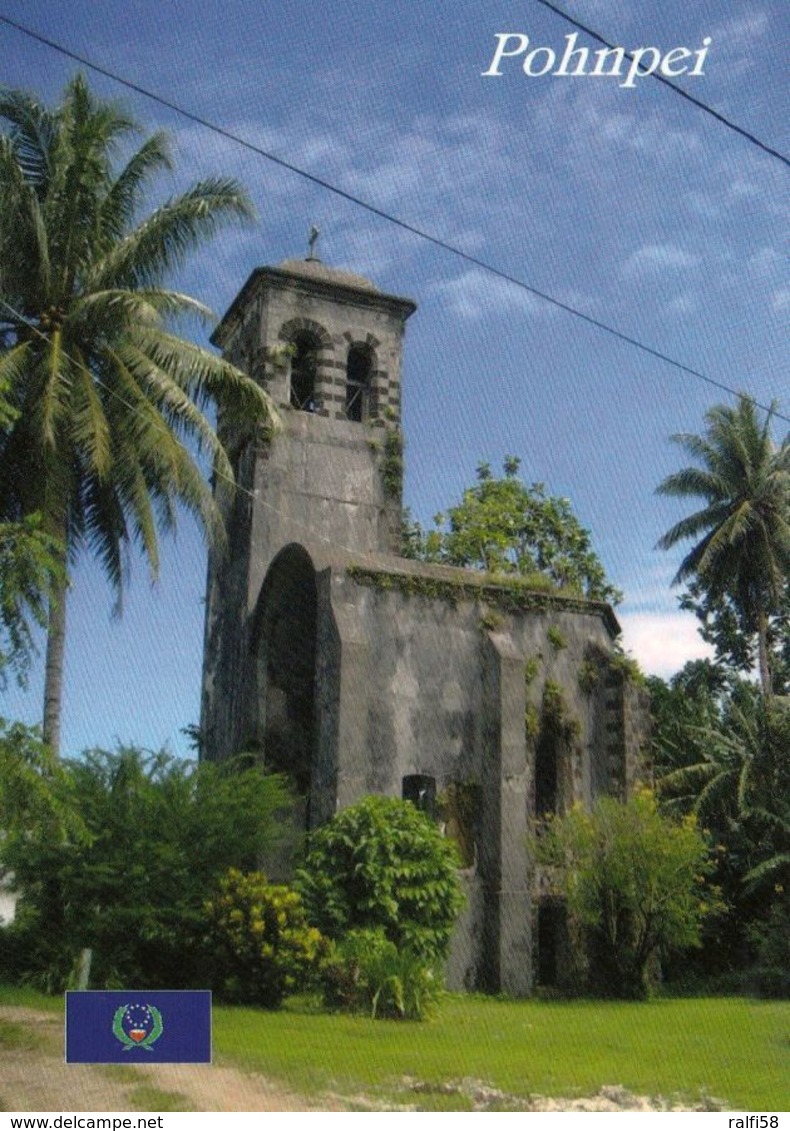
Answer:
(744, 553)
(103, 390)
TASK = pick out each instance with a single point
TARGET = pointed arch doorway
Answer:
(286, 665)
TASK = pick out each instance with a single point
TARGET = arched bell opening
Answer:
(304, 371)
(359, 370)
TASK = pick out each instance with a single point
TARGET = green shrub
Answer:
(383, 864)
(262, 943)
(157, 834)
(366, 973)
(635, 881)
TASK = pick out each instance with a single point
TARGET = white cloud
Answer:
(656, 257)
(741, 31)
(475, 293)
(663, 642)
(682, 304)
(766, 261)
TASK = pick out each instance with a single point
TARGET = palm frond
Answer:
(89, 430)
(767, 871)
(32, 132)
(693, 481)
(147, 304)
(120, 205)
(180, 412)
(161, 243)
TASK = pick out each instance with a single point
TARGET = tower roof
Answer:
(316, 278)
(315, 269)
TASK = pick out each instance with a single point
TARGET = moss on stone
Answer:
(509, 595)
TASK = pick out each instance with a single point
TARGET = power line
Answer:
(672, 86)
(404, 225)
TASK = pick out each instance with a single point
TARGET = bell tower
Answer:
(327, 346)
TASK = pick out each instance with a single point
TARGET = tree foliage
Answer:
(722, 753)
(31, 570)
(733, 636)
(504, 526)
(382, 863)
(102, 391)
(741, 563)
(160, 833)
(634, 880)
(35, 795)
(261, 943)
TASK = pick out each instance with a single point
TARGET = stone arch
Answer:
(289, 329)
(284, 641)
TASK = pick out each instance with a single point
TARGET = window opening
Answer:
(551, 931)
(420, 789)
(358, 370)
(546, 776)
(304, 371)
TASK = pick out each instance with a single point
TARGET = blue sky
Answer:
(630, 204)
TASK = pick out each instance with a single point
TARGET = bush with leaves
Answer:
(503, 526)
(367, 973)
(383, 864)
(635, 880)
(262, 945)
(36, 805)
(159, 833)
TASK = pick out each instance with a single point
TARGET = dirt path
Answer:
(33, 1077)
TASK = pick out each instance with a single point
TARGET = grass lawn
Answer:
(734, 1049)
(731, 1048)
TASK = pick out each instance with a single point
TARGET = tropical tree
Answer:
(743, 556)
(144, 839)
(504, 526)
(635, 880)
(103, 391)
(721, 754)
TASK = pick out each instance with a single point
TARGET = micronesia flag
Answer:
(138, 1027)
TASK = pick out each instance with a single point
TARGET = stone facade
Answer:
(359, 672)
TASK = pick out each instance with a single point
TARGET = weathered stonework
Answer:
(359, 672)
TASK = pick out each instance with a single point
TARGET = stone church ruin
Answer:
(357, 671)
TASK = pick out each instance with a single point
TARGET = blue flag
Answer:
(138, 1027)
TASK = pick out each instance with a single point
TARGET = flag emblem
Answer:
(137, 1026)
(110, 1026)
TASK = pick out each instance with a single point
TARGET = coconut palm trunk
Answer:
(766, 683)
(53, 669)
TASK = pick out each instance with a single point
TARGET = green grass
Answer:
(147, 1098)
(734, 1049)
(14, 1036)
(33, 999)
